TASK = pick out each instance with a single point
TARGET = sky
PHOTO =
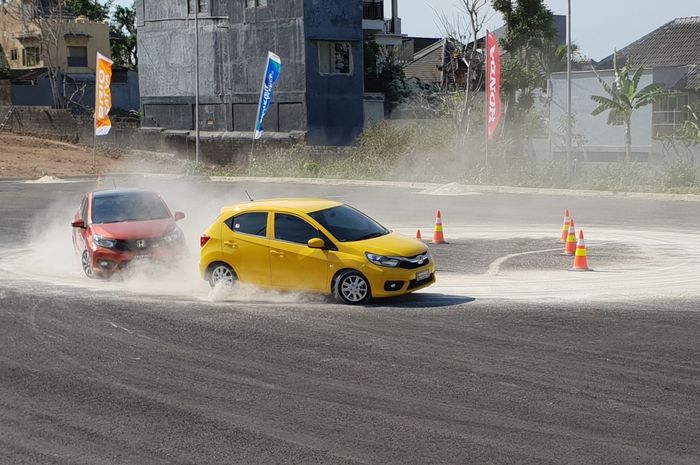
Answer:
(597, 26)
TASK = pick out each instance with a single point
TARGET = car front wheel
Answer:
(85, 262)
(352, 288)
(222, 274)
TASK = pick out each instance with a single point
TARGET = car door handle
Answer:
(278, 253)
(231, 244)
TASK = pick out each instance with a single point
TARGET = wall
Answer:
(5, 92)
(42, 122)
(233, 44)
(602, 141)
(81, 87)
(334, 102)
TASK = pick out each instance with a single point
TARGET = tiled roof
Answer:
(676, 43)
(692, 79)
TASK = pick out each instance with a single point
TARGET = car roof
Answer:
(304, 205)
(120, 191)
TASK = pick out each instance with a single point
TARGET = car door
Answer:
(246, 247)
(293, 264)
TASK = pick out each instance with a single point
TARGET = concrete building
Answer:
(670, 56)
(40, 40)
(320, 42)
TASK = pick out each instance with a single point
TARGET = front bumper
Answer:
(388, 282)
(106, 262)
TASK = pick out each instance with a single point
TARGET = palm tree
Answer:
(623, 98)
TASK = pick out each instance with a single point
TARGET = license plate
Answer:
(421, 275)
(141, 257)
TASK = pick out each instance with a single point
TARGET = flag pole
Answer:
(196, 79)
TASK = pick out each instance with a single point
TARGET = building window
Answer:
(77, 57)
(13, 54)
(31, 56)
(202, 6)
(335, 57)
(255, 3)
(669, 114)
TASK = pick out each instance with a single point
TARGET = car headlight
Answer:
(103, 241)
(381, 260)
(174, 235)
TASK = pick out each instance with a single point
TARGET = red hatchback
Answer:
(114, 227)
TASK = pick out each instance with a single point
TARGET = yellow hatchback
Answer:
(312, 245)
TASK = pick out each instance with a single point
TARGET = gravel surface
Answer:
(100, 373)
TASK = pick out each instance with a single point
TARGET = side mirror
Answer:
(317, 243)
(78, 224)
(179, 216)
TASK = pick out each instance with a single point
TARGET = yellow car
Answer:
(312, 245)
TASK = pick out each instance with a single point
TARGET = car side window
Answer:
(254, 223)
(293, 229)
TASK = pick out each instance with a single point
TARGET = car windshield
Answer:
(347, 224)
(132, 206)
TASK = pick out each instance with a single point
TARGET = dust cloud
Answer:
(51, 256)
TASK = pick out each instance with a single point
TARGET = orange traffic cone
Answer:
(418, 235)
(581, 258)
(565, 226)
(570, 247)
(438, 236)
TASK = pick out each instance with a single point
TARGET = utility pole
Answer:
(569, 155)
(196, 79)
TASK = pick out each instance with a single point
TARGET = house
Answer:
(320, 91)
(670, 55)
(51, 52)
(25, 27)
(438, 62)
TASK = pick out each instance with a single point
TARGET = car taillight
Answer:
(203, 239)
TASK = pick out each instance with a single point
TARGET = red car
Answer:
(117, 226)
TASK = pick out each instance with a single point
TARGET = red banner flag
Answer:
(493, 84)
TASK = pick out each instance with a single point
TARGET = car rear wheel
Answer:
(222, 274)
(351, 288)
(85, 262)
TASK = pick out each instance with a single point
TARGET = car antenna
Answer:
(249, 197)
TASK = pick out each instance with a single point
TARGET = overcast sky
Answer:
(598, 26)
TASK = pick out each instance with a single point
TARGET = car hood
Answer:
(392, 244)
(130, 230)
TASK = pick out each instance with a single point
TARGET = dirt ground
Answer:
(24, 157)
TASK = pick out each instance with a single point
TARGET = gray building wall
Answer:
(600, 140)
(233, 45)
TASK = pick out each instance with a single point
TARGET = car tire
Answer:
(85, 263)
(221, 273)
(352, 288)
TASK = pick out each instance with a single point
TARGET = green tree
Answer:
(624, 96)
(123, 32)
(384, 73)
(91, 9)
(529, 30)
